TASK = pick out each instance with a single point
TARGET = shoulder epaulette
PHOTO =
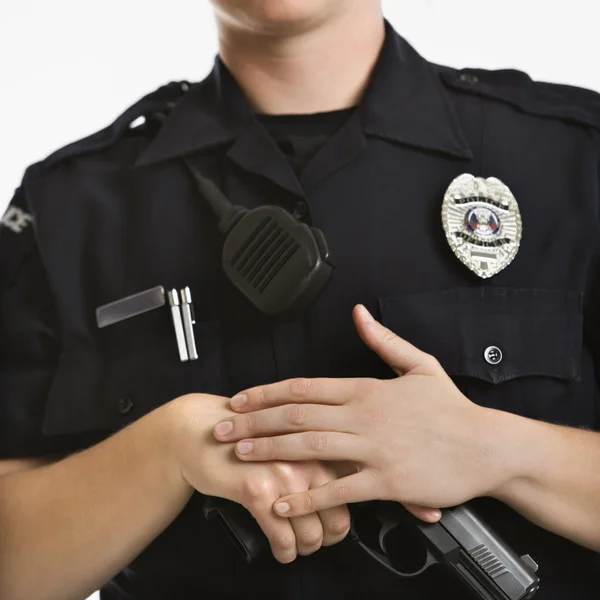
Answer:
(158, 102)
(17, 238)
(569, 103)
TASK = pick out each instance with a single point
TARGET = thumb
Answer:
(429, 515)
(401, 356)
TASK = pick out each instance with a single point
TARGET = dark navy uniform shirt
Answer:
(118, 213)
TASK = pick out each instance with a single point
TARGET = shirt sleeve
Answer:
(29, 342)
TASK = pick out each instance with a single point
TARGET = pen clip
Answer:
(129, 307)
(187, 315)
(176, 316)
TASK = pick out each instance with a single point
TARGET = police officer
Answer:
(462, 209)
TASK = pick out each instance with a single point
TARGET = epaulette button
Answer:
(469, 78)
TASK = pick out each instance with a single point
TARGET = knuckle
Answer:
(309, 539)
(260, 398)
(300, 387)
(297, 414)
(307, 504)
(255, 490)
(340, 491)
(316, 441)
(285, 472)
(338, 525)
(268, 446)
(284, 542)
(389, 337)
(265, 447)
(250, 423)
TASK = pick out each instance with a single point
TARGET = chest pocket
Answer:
(518, 350)
(134, 369)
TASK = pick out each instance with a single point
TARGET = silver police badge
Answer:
(482, 222)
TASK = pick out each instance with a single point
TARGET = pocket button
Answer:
(493, 355)
(126, 405)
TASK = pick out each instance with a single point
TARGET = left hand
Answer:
(415, 439)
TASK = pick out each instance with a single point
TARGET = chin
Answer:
(287, 11)
(277, 15)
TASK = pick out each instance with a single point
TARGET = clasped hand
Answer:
(296, 453)
(415, 439)
(212, 468)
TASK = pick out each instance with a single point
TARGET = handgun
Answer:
(460, 542)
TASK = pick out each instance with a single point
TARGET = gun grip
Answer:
(239, 526)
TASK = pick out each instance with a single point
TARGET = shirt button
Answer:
(469, 78)
(493, 355)
(300, 210)
(126, 405)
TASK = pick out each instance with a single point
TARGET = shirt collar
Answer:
(405, 103)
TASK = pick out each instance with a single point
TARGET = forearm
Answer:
(555, 476)
(67, 528)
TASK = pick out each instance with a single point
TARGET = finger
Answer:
(279, 532)
(335, 521)
(308, 391)
(309, 533)
(347, 490)
(400, 355)
(308, 529)
(312, 445)
(429, 515)
(290, 418)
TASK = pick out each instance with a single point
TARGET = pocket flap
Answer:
(493, 334)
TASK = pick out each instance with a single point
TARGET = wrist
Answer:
(193, 450)
(174, 422)
(508, 444)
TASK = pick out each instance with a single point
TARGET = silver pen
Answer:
(178, 324)
(188, 322)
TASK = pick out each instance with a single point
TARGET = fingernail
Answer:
(436, 514)
(224, 427)
(245, 447)
(239, 401)
(365, 315)
(282, 507)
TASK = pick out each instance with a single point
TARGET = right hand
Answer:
(212, 468)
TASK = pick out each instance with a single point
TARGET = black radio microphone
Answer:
(278, 263)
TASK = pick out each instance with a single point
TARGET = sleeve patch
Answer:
(16, 219)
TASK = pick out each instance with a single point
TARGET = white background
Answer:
(68, 68)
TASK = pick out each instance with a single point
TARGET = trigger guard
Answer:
(383, 560)
(431, 560)
(388, 524)
(387, 527)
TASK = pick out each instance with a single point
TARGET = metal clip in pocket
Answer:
(182, 314)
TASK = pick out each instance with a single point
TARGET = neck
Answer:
(323, 69)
